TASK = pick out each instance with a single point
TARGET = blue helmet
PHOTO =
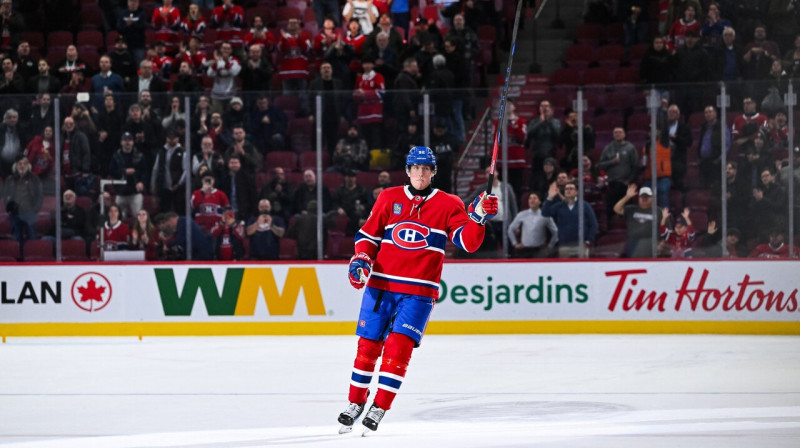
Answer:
(421, 155)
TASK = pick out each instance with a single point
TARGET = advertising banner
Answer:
(515, 297)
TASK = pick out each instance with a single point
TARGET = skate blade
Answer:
(367, 432)
(345, 429)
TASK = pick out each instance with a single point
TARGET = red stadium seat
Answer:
(91, 18)
(579, 56)
(289, 104)
(332, 181)
(308, 160)
(288, 249)
(597, 77)
(38, 250)
(614, 34)
(91, 38)
(9, 250)
(59, 39)
(35, 39)
(284, 13)
(639, 122)
(589, 34)
(566, 77)
(73, 250)
(285, 159)
(607, 122)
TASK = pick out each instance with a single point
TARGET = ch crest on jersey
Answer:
(410, 235)
(397, 208)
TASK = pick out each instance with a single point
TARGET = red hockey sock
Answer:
(396, 355)
(368, 353)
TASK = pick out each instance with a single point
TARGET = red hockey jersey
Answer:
(370, 103)
(229, 23)
(766, 251)
(194, 27)
(116, 237)
(167, 27)
(406, 236)
(294, 51)
(208, 208)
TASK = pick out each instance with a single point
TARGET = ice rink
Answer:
(461, 391)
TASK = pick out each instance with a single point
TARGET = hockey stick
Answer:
(505, 89)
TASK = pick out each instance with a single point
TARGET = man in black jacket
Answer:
(406, 100)
(168, 176)
(678, 137)
(240, 188)
(333, 103)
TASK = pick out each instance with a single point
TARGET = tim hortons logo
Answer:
(91, 291)
(747, 295)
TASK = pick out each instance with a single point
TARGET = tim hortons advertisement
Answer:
(469, 292)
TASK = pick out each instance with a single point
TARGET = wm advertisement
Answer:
(554, 297)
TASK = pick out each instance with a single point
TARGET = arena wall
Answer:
(724, 297)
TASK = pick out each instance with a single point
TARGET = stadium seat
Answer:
(73, 250)
(332, 181)
(301, 143)
(597, 77)
(614, 34)
(626, 75)
(288, 249)
(59, 39)
(579, 56)
(289, 104)
(338, 246)
(300, 125)
(698, 199)
(308, 160)
(589, 34)
(91, 18)
(639, 122)
(38, 250)
(34, 38)
(284, 13)
(285, 159)
(607, 122)
(264, 13)
(300, 5)
(92, 38)
(9, 251)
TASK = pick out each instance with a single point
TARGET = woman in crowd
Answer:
(144, 235)
(40, 153)
(115, 232)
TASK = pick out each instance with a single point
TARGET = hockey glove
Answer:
(483, 208)
(360, 267)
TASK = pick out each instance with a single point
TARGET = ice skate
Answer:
(350, 415)
(373, 418)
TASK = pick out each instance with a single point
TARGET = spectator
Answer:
(594, 181)
(249, 158)
(257, 71)
(786, 174)
(76, 159)
(44, 82)
(145, 134)
(340, 54)
(364, 11)
(129, 164)
(407, 139)
(240, 187)
(144, 235)
(123, 60)
(620, 161)
(680, 238)
(106, 82)
(327, 38)
(758, 55)
(516, 128)
(635, 24)
(691, 67)
(355, 38)
(427, 31)
(351, 152)
(39, 153)
(22, 195)
(71, 63)
(115, 232)
(350, 200)
(73, 219)
(294, 48)
(747, 125)
(307, 191)
(12, 24)
(738, 194)
(223, 138)
(151, 110)
(186, 81)
(174, 114)
(757, 159)
(541, 180)
(563, 210)
(228, 235)
(327, 86)
(568, 139)
(445, 145)
(542, 136)
(26, 65)
(440, 85)
(77, 84)
(13, 137)
(223, 68)
(194, 55)
(681, 27)
(663, 163)
(268, 125)
(461, 69)
(42, 114)
(678, 137)
(639, 221)
(131, 25)
(325, 9)
(265, 232)
(768, 203)
(95, 218)
(678, 7)
(407, 99)
(166, 23)
(714, 26)
(169, 177)
(11, 82)
(711, 242)
(208, 157)
(201, 119)
(146, 80)
(385, 25)
(727, 56)
(162, 62)
(533, 229)
(173, 238)
(304, 231)
(776, 247)
(710, 147)
(228, 20)
(279, 192)
(259, 35)
(386, 59)
(194, 24)
(399, 12)
(424, 54)
(235, 115)
(792, 59)
(466, 38)
(368, 96)
(208, 204)
(506, 203)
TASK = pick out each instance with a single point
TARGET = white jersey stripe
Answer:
(363, 372)
(359, 385)
(408, 279)
(389, 388)
(392, 376)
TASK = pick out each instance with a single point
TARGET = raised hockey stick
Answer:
(505, 87)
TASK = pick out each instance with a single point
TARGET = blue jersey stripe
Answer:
(434, 239)
(358, 378)
(457, 238)
(391, 382)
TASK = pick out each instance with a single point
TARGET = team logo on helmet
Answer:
(410, 235)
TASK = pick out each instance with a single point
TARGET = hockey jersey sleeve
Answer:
(465, 233)
(368, 238)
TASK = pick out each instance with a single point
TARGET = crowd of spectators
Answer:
(250, 74)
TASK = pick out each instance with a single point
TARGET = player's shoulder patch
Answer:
(397, 208)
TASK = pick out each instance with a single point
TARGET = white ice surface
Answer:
(461, 391)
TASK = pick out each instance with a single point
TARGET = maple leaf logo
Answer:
(91, 291)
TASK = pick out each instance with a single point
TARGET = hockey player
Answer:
(402, 244)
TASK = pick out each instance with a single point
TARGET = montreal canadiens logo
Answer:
(410, 235)
(91, 291)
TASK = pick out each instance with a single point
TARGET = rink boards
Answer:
(728, 297)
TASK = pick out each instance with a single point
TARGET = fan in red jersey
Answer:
(402, 246)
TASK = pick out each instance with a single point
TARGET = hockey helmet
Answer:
(421, 155)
